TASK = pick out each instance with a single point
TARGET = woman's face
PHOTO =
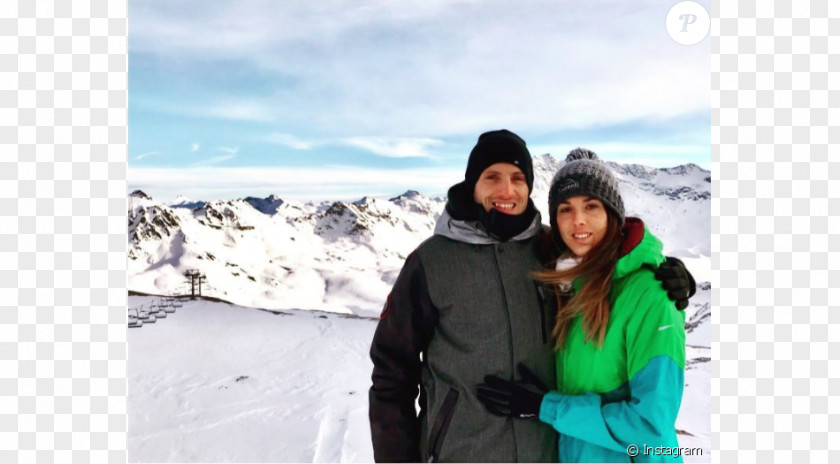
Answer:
(582, 222)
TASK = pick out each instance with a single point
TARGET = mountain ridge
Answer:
(345, 255)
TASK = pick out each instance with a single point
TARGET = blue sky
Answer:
(340, 99)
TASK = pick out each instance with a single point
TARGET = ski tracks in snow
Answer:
(343, 435)
(344, 431)
(331, 433)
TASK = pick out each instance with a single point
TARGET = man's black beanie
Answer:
(499, 146)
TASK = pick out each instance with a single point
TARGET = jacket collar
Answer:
(634, 232)
(639, 248)
(474, 232)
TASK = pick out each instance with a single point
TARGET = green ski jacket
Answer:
(626, 394)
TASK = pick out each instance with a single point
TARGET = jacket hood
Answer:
(474, 232)
(640, 248)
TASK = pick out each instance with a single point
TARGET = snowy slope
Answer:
(222, 383)
(215, 382)
(345, 256)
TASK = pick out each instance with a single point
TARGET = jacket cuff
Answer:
(552, 406)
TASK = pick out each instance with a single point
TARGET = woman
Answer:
(620, 342)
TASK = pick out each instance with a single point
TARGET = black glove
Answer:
(677, 281)
(520, 399)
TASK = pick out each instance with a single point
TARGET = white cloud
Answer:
(607, 149)
(290, 141)
(321, 183)
(246, 109)
(214, 160)
(194, 147)
(393, 147)
(434, 67)
(239, 110)
(229, 150)
(145, 155)
(389, 147)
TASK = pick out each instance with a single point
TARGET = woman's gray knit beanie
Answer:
(584, 174)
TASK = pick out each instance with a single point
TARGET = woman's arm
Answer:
(647, 418)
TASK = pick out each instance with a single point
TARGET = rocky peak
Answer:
(682, 170)
(354, 218)
(635, 170)
(151, 223)
(364, 201)
(413, 201)
(140, 194)
(406, 194)
(267, 205)
(182, 201)
(220, 214)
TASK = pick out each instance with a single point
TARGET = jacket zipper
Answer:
(441, 425)
(497, 249)
(542, 312)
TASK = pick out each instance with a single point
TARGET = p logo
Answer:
(688, 23)
(687, 19)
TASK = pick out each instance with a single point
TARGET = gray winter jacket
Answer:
(464, 306)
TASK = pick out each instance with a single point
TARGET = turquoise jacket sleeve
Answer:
(646, 418)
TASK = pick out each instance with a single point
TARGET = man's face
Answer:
(502, 186)
(582, 222)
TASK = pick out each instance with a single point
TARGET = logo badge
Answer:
(386, 309)
(569, 184)
(688, 23)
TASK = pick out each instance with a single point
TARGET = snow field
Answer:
(227, 383)
(223, 383)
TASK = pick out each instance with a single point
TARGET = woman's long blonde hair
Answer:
(593, 300)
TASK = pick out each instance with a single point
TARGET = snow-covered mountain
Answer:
(345, 256)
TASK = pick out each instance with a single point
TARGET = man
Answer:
(465, 306)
